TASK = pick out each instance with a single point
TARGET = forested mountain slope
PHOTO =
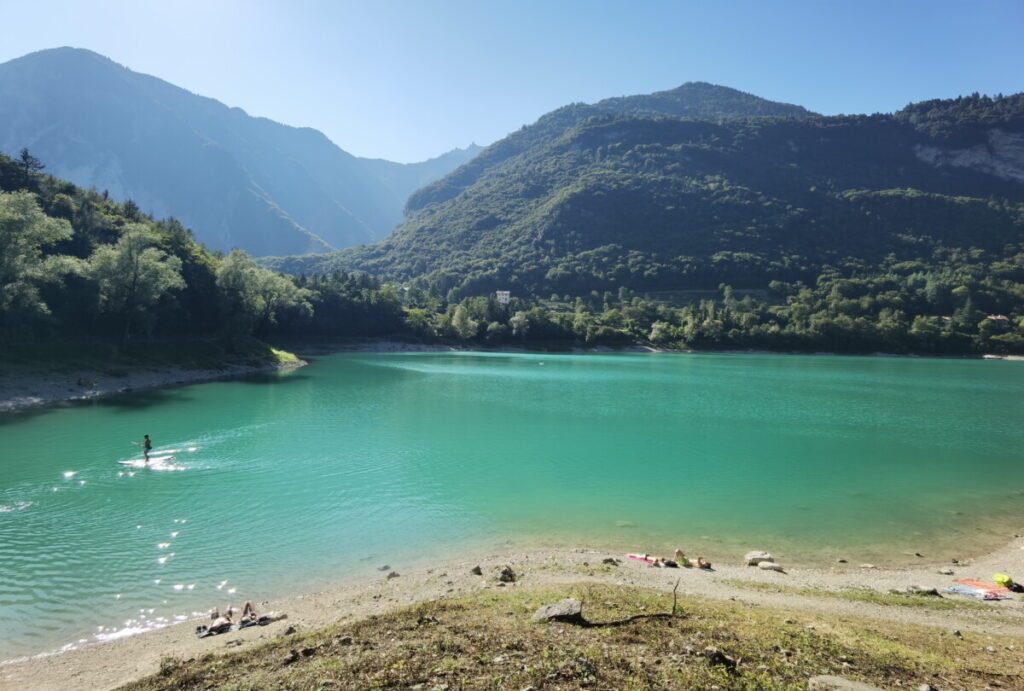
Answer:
(582, 201)
(238, 181)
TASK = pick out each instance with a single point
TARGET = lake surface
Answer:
(288, 482)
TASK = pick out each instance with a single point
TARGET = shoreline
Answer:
(27, 388)
(112, 663)
(30, 388)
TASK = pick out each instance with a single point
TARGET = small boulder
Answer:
(755, 557)
(827, 682)
(476, 571)
(611, 560)
(770, 566)
(393, 574)
(867, 566)
(717, 658)
(507, 575)
(569, 610)
(345, 640)
(946, 571)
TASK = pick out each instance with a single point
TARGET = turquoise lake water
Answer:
(289, 482)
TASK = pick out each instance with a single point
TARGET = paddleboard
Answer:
(141, 462)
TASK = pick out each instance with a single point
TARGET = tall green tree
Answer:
(133, 275)
(24, 233)
(254, 298)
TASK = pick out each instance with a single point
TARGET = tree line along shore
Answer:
(84, 274)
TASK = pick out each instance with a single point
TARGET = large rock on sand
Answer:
(756, 557)
(570, 609)
(770, 566)
(827, 682)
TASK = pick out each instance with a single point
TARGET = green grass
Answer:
(895, 598)
(487, 641)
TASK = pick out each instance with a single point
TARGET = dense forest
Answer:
(79, 268)
(900, 232)
(842, 268)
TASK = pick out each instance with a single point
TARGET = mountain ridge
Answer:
(238, 180)
(659, 202)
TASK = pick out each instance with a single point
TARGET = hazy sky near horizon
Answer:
(410, 79)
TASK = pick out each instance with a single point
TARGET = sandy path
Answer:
(107, 665)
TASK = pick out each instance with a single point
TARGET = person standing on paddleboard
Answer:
(147, 446)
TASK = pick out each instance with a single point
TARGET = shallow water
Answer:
(285, 482)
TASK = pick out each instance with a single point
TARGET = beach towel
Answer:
(977, 592)
(647, 559)
(982, 585)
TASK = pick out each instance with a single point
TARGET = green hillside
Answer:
(920, 213)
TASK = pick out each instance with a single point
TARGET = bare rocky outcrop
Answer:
(1002, 155)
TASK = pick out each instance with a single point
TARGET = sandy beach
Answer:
(107, 665)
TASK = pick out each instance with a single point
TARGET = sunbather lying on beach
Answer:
(219, 623)
(700, 563)
(660, 562)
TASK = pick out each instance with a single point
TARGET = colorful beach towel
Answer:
(979, 589)
(982, 585)
(646, 558)
(976, 592)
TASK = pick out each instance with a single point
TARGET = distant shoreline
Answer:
(30, 387)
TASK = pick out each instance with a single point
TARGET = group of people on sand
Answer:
(225, 621)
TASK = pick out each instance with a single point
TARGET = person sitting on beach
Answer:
(249, 615)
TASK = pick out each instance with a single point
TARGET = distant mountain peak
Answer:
(706, 101)
(236, 180)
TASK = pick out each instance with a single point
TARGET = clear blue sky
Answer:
(410, 79)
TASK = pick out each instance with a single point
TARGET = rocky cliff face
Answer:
(1002, 155)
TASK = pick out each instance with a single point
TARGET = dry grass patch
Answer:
(487, 641)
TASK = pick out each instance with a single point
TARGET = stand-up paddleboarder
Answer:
(147, 446)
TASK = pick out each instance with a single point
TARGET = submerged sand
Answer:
(27, 387)
(110, 664)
